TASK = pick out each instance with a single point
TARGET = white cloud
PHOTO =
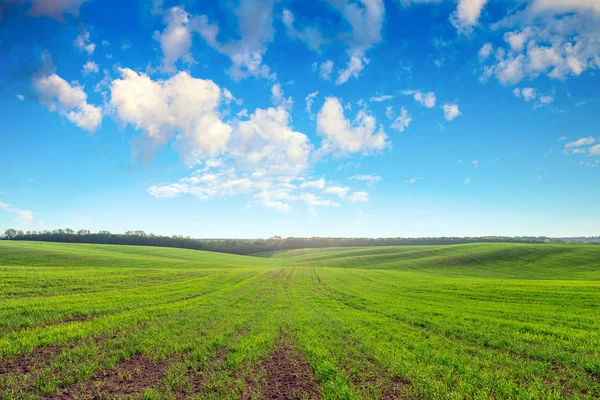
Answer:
(181, 106)
(485, 51)
(255, 27)
(318, 184)
(342, 192)
(406, 3)
(565, 6)
(578, 146)
(542, 43)
(451, 111)
(325, 70)
(344, 137)
(337, 190)
(310, 98)
(412, 180)
(269, 191)
(25, 216)
(176, 39)
(425, 99)
(69, 100)
(467, 15)
(403, 120)
(381, 98)
(367, 178)
(595, 150)
(366, 20)
(355, 65)
(359, 197)
(20, 97)
(229, 97)
(389, 112)
(475, 163)
(528, 94)
(90, 67)
(54, 8)
(83, 43)
(268, 141)
(467, 181)
(278, 98)
(310, 35)
(313, 200)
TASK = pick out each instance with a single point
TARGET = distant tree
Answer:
(10, 233)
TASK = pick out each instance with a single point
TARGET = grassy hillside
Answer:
(461, 321)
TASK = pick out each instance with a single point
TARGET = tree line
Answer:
(245, 246)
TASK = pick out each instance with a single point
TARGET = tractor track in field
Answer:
(58, 322)
(392, 387)
(196, 379)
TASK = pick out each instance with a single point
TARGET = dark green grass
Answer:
(461, 321)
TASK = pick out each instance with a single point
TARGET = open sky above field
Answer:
(250, 118)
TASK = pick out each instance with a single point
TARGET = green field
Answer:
(434, 322)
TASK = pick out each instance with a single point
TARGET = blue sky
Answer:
(252, 118)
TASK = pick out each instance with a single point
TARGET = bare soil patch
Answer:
(288, 375)
(30, 362)
(130, 377)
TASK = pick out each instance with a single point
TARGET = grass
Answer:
(462, 321)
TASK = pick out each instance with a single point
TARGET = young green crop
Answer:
(459, 321)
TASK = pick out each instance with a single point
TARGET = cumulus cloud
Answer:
(278, 98)
(255, 27)
(268, 141)
(90, 67)
(69, 100)
(595, 150)
(355, 65)
(556, 39)
(425, 99)
(310, 98)
(389, 112)
(342, 136)
(403, 120)
(580, 146)
(176, 39)
(84, 44)
(25, 216)
(412, 180)
(451, 111)
(485, 51)
(529, 94)
(180, 106)
(326, 69)
(310, 35)
(365, 18)
(467, 15)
